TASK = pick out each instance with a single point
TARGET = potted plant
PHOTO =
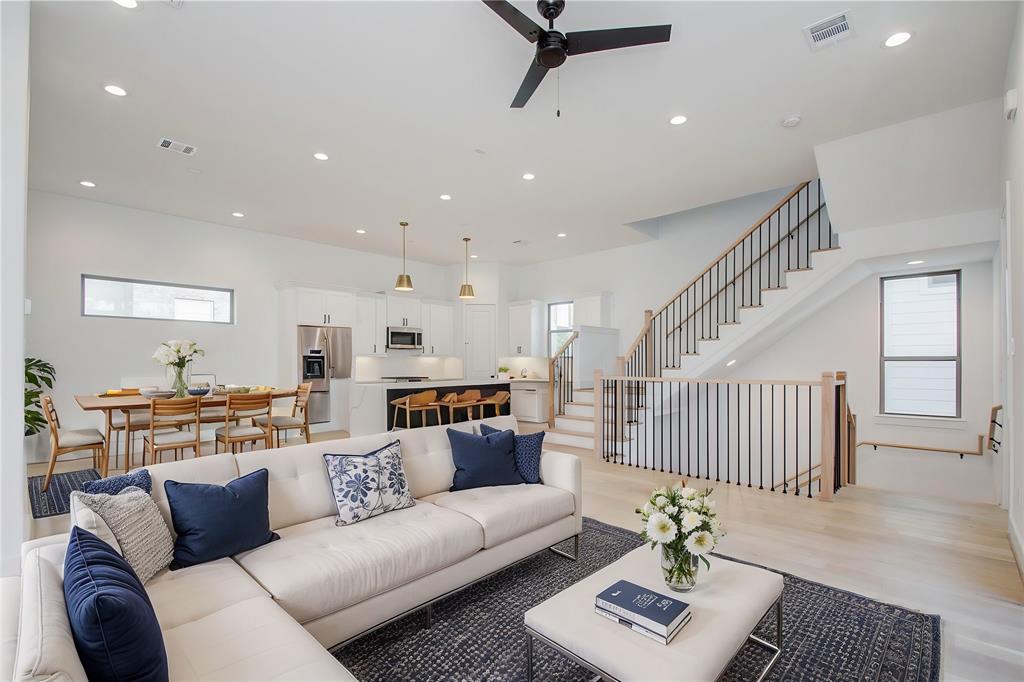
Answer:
(39, 376)
(503, 372)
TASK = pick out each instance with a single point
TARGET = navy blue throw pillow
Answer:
(527, 450)
(116, 632)
(217, 521)
(483, 460)
(112, 485)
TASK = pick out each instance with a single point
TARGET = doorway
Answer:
(481, 356)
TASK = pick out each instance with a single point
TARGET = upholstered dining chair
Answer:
(168, 418)
(65, 441)
(422, 402)
(240, 406)
(497, 401)
(298, 420)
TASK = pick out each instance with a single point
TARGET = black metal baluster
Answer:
(796, 436)
(809, 442)
(760, 425)
(661, 391)
(773, 439)
(785, 424)
(687, 429)
(718, 435)
(750, 449)
(728, 434)
(696, 418)
(707, 432)
(670, 426)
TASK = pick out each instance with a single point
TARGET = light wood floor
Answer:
(923, 553)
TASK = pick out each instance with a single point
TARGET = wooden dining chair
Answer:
(169, 422)
(497, 401)
(242, 406)
(422, 402)
(299, 419)
(65, 441)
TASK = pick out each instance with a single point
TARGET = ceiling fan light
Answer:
(403, 283)
(466, 291)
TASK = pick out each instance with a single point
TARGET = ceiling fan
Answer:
(553, 47)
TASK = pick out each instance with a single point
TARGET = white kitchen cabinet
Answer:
(526, 329)
(332, 308)
(404, 312)
(530, 401)
(439, 329)
(369, 335)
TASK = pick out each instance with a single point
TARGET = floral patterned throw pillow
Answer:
(368, 485)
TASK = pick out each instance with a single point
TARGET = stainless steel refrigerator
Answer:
(325, 353)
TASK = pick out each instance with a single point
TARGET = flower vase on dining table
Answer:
(180, 379)
(177, 357)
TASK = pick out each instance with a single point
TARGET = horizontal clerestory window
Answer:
(144, 300)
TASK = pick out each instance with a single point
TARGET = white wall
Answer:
(1013, 175)
(844, 336)
(69, 236)
(643, 276)
(14, 98)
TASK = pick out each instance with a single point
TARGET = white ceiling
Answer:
(402, 94)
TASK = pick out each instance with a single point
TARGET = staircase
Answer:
(575, 424)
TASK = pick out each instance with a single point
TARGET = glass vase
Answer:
(679, 568)
(179, 380)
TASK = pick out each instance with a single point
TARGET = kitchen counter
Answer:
(443, 383)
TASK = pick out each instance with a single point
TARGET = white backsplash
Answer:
(536, 368)
(373, 367)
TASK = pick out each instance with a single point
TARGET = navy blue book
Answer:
(645, 607)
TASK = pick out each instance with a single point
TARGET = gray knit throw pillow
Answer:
(138, 527)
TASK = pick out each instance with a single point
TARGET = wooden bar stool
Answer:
(497, 400)
(466, 400)
(167, 417)
(64, 441)
(245, 406)
(280, 422)
(424, 401)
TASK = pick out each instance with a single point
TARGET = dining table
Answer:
(108, 404)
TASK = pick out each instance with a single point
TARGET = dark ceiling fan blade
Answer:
(533, 78)
(516, 19)
(581, 42)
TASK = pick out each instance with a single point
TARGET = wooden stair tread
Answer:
(566, 432)
(574, 417)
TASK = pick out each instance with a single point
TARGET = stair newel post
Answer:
(828, 436)
(599, 439)
(648, 345)
(844, 430)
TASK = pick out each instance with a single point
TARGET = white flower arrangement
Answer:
(682, 522)
(177, 353)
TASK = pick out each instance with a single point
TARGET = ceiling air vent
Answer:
(828, 31)
(180, 147)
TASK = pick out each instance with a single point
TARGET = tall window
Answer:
(559, 325)
(115, 297)
(920, 360)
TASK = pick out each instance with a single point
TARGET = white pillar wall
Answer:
(14, 38)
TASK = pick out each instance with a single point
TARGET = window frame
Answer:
(958, 358)
(547, 321)
(131, 280)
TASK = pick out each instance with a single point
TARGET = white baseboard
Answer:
(1017, 545)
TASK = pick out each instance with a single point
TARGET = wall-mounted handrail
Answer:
(993, 421)
(926, 448)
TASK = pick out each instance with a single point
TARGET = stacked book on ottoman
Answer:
(644, 611)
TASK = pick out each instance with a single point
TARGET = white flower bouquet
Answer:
(681, 521)
(176, 355)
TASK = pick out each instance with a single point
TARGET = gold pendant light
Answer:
(466, 290)
(404, 281)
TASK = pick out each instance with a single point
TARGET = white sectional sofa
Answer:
(271, 612)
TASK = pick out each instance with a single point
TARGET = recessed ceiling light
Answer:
(360, 231)
(320, 156)
(791, 122)
(528, 176)
(897, 39)
(115, 90)
(128, 4)
(677, 120)
(446, 197)
(561, 234)
(914, 262)
(194, 171)
(238, 214)
(731, 363)
(474, 256)
(87, 183)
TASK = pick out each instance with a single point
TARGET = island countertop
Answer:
(442, 383)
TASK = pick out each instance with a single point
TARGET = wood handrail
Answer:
(925, 448)
(551, 377)
(572, 337)
(778, 205)
(685, 380)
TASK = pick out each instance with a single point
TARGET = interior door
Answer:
(481, 357)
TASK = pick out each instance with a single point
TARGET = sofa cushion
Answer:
(112, 485)
(215, 521)
(317, 568)
(427, 457)
(217, 469)
(251, 640)
(483, 460)
(508, 511)
(197, 591)
(528, 448)
(116, 632)
(368, 485)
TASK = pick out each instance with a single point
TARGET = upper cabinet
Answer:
(369, 336)
(526, 329)
(325, 308)
(439, 329)
(404, 311)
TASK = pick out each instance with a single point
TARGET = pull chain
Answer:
(558, 93)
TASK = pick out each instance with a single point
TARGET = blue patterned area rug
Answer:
(478, 634)
(57, 498)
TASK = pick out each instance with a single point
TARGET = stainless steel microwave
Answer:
(405, 338)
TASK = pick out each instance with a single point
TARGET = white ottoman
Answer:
(727, 604)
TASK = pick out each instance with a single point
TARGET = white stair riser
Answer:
(580, 441)
(583, 398)
(580, 410)
(586, 427)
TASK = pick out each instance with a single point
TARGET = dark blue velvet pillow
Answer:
(483, 460)
(217, 521)
(527, 451)
(116, 632)
(112, 485)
